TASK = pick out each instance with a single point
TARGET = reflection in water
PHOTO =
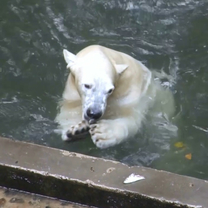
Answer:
(168, 35)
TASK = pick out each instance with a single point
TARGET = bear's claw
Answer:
(103, 134)
(77, 131)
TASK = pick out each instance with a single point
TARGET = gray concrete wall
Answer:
(94, 181)
(15, 199)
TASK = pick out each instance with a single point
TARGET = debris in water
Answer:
(133, 178)
(179, 145)
(188, 156)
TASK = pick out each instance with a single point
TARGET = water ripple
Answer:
(164, 34)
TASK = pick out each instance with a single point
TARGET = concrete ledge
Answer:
(93, 181)
(10, 198)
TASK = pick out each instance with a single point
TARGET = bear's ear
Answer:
(70, 58)
(120, 67)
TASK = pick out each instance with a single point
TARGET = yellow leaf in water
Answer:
(188, 156)
(179, 144)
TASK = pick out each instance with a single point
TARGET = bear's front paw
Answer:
(77, 131)
(103, 135)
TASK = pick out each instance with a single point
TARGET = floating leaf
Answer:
(179, 145)
(188, 156)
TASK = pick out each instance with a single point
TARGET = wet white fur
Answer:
(135, 92)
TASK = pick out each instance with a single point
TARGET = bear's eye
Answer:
(110, 91)
(87, 86)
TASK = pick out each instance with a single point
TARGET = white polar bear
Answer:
(108, 94)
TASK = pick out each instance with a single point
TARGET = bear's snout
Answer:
(93, 114)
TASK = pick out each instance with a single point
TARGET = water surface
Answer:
(163, 34)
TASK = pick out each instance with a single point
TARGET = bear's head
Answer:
(95, 79)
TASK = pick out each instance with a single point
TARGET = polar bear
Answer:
(107, 94)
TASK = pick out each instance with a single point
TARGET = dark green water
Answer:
(164, 34)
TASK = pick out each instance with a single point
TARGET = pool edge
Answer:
(94, 181)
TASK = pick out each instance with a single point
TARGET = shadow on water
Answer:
(168, 35)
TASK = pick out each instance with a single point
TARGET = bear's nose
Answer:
(94, 113)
